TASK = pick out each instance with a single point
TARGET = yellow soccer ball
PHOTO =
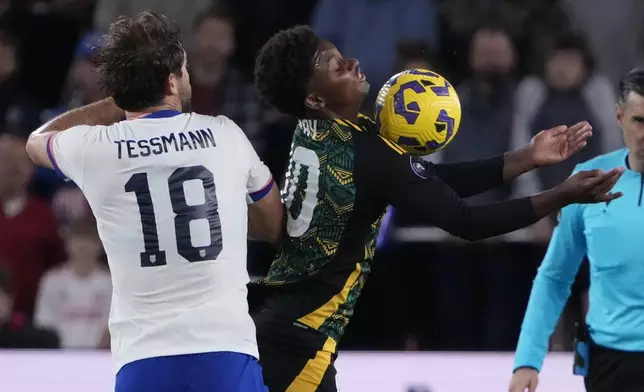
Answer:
(419, 110)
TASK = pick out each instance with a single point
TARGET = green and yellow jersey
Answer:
(331, 224)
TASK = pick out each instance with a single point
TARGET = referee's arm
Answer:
(551, 288)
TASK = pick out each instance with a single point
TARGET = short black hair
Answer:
(220, 10)
(632, 81)
(284, 67)
(139, 55)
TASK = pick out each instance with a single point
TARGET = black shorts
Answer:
(294, 357)
(612, 370)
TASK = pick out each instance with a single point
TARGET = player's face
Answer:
(630, 115)
(337, 81)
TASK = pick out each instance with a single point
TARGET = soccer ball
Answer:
(419, 110)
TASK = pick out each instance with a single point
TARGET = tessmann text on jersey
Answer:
(177, 141)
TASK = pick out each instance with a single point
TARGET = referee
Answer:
(610, 347)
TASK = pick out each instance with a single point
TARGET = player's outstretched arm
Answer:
(547, 147)
(103, 112)
(406, 184)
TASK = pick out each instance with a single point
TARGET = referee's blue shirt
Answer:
(612, 236)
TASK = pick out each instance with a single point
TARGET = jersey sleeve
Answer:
(551, 288)
(67, 150)
(472, 177)
(260, 180)
(408, 183)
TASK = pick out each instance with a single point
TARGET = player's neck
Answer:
(351, 115)
(635, 164)
(158, 108)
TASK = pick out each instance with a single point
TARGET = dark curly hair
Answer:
(283, 68)
(139, 55)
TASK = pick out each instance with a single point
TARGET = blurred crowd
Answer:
(519, 67)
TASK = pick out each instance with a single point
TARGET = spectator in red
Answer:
(29, 240)
(15, 329)
(218, 88)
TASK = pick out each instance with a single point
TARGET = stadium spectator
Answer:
(71, 208)
(567, 90)
(29, 240)
(183, 12)
(15, 105)
(486, 99)
(47, 39)
(74, 299)
(604, 21)
(217, 87)
(82, 85)
(15, 329)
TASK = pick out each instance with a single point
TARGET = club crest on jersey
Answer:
(418, 166)
(153, 258)
(202, 253)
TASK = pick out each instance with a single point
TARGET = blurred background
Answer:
(519, 67)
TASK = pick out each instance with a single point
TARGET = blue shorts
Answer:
(207, 372)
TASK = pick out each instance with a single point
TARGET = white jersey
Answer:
(170, 192)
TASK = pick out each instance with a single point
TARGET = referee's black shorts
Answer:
(612, 370)
(295, 358)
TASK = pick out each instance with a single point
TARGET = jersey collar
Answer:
(162, 114)
(627, 166)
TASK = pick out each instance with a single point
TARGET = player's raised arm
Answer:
(547, 147)
(39, 145)
(408, 183)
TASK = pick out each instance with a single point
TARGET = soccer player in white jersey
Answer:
(169, 190)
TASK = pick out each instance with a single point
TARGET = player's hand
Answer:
(559, 143)
(524, 379)
(591, 186)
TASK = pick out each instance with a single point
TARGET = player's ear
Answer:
(314, 102)
(619, 113)
(173, 85)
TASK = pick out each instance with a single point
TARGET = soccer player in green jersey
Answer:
(341, 177)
